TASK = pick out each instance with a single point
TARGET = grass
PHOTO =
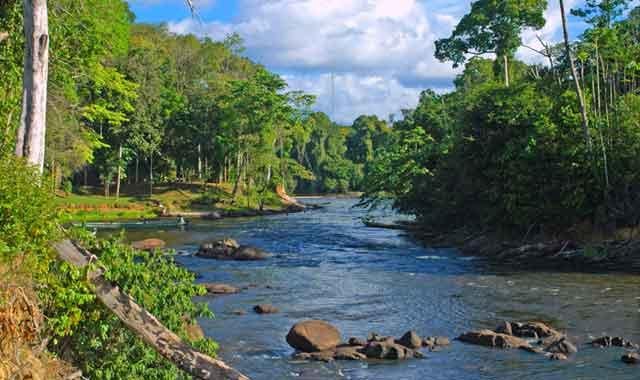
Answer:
(134, 203)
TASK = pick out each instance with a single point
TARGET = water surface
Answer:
(327, 265)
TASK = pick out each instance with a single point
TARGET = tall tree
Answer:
(576, 80)
(30, 140)
(492, 26)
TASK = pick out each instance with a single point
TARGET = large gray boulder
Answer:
(313, 336)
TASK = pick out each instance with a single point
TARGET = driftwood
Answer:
(145, 325)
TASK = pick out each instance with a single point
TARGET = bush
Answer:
(81, 329)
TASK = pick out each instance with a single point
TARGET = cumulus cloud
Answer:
(381, 51)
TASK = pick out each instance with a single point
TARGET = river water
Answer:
(327, 265)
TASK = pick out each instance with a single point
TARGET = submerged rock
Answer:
(229, 249)
(631, 358)
(265, 309)
(313, 336)
(220, 289)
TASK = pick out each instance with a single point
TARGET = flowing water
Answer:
(327, 265)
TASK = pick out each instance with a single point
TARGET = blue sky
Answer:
(380, 51)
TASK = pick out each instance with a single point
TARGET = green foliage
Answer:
(97, 340)
(28, 216)
(81, 328)
(492, 26)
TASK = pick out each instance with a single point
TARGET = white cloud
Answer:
(380, 50)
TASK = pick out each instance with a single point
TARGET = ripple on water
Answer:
(327, 265)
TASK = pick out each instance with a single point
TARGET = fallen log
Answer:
(144, 325)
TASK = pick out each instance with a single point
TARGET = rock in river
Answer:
(410, 340)
(219, 289)
(493, 339)
(148, 244)
(265, 309)
(229, 249)
(616, 341)
(631, 358)
(313, 336)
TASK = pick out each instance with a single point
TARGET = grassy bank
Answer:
(89, 204)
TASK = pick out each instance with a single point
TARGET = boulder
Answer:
(313, 336)
(410, 340)
(490, 338)
(388, 351)
(532, 330)
(219, 289)
(631, 358)
(561, 346)
(437, 341)
(229, 249)
(265, 309)
(148, 244)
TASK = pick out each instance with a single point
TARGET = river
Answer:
(327, 265)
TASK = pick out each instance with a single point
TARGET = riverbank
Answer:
(564, 254)
(195, 200)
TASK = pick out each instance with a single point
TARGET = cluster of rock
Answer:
(319, 340)
(229, 249)
(631, 357)
(534, 337)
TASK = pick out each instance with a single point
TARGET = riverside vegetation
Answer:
(516, 149)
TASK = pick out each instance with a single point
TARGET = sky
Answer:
(380, 52)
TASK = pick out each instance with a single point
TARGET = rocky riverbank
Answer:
(565, 254)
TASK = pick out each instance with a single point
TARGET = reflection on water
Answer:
(327, 265)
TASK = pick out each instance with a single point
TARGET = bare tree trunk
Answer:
(506, 70)
(30, 140)
(137, 168)
(576, 81)
(119, 174)
(199, 162)
(151, 174)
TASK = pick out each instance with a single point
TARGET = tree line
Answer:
(134, 103)
(523, 147)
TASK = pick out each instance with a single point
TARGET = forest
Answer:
(135, 104)
(539, 147)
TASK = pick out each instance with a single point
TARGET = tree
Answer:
(30, 141)
(492, 26)
(576, 81)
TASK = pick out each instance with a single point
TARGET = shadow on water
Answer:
(327, 265)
